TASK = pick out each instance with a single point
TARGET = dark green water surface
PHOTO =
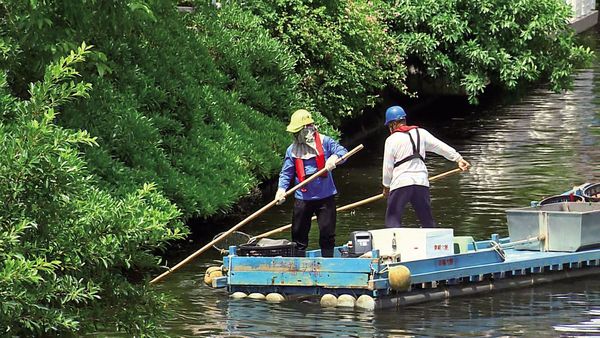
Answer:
(539, 145)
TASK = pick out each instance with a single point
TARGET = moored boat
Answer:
(394, 267)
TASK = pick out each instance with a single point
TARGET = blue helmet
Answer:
(394, 113)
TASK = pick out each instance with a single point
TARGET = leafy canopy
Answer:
(71, 254)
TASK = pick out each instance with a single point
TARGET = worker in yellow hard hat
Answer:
(309, 153)
(300, 118)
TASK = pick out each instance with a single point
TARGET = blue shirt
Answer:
(320, 187)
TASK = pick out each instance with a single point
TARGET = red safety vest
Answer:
(300, 173)
(404, 129)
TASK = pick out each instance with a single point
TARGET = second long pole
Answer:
(355, 204)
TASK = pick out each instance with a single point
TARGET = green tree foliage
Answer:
(253, 62)
(345, 56)
(197, 103)
(172, 90)
(70, 252)
(471, 43)
(260, 70)
(194, 104)
(349, 50)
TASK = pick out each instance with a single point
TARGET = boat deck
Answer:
(563, 239)
(357, 276)
(517, 262)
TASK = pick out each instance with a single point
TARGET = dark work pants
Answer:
(303, 212)
(418, 196)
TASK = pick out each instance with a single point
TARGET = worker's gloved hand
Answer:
(330, 163)
(463, 165)
(280, 196)
(386, 192)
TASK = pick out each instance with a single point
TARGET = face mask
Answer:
(306, 135)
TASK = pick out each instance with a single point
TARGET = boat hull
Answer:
(486, 267)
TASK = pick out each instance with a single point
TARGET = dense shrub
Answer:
(172, 90)
(471, 43)
(349, 50)
(172, 103)
(70, 252)
(345, 56)
(259, 69)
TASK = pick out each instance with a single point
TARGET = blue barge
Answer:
(466, 273)
(384, 281)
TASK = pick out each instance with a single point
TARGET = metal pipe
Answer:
(421, 296)
(539, 238)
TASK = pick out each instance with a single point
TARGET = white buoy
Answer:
(211, 273)
(365, 302)
(346, 301)
(238, 295)
(256, 295)
(329, 300)
(275, 297)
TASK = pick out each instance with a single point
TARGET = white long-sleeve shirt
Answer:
(413, 172)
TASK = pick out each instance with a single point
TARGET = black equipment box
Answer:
(255, 250)
(362, 242)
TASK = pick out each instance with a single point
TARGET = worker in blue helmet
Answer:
(405, 177)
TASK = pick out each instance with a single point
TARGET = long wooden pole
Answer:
(355, 204)
(251, 217)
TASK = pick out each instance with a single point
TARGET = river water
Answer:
(532, 147)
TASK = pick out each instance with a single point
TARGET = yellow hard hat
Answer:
(300, 118)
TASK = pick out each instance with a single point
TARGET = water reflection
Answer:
(533, 312)
(542, 145)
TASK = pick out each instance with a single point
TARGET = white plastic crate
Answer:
(413, 243)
